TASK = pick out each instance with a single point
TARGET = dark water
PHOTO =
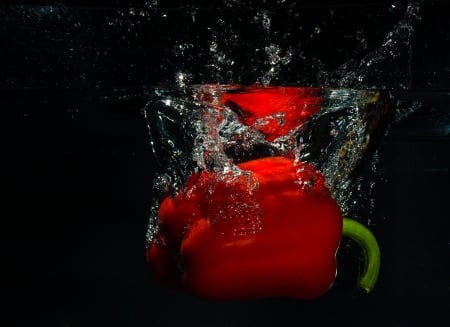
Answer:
(79, 168)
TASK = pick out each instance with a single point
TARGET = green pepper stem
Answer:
(371, 251)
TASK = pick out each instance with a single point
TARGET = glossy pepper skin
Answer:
(283, 245)
(274, 111)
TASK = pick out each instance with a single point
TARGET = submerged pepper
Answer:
(271, 230)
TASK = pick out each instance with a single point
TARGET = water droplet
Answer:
(151, 4)
(182, 79)
(264, 19)
(273, 52)
(395, 7)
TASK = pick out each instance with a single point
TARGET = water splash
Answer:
(195, 129)
(339, 141)
(244, 44)
(393, 54)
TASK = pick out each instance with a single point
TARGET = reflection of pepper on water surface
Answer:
(223, 238)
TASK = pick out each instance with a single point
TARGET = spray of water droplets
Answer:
(192, 131)
(335, 141)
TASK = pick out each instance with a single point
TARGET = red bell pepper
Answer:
(272, 230)
(274, 111)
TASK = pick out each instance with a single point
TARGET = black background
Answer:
(77, 171)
